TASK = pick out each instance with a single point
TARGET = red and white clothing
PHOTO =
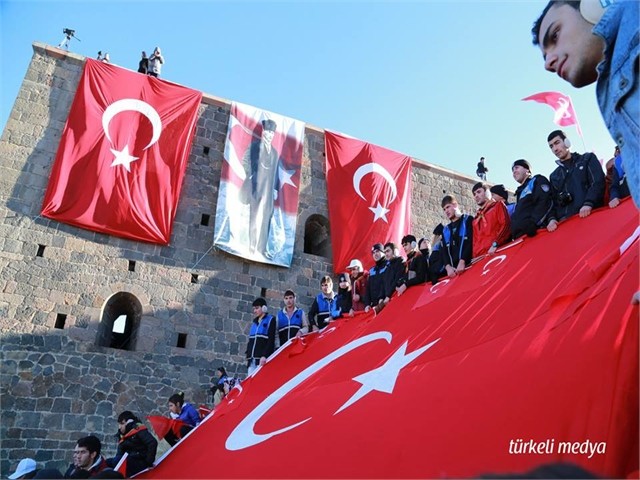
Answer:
(491, 224)
(359, 287)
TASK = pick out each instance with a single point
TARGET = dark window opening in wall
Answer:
(120, 322)
(61, 319)
(182, 340)
(316, 236)
(132, 265)
(40, 252)
(205, 150)
(194, 278)
(205, 219)
(263, 292)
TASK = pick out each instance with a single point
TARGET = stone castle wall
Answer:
(57, 383)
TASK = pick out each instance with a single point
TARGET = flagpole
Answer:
(578, 129)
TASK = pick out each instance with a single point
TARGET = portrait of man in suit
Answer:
(261, 185)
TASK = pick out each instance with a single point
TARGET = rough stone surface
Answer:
(56, 382)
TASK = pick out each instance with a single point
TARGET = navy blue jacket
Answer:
(583, 178)
(533, 207)
(321, 309)
(262, 339)
(456, 244)
(376, 290)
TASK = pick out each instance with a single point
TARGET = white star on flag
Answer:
(285, 177)
(383, 378)
(123, 158)
(379, 212)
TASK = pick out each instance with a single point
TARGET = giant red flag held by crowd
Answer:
(565, 114)
(123, 154)
(530, 357)
(256, 215)
(369, 193)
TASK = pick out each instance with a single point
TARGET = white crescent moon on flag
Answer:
(374, 168)
(499, 258)
(130, 104)
(441, 283)
(243, 436)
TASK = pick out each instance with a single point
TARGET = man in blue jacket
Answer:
(323, 305)
(262, 336)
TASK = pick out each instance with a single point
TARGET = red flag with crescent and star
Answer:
(369, 193)
(529, 357)
(564, 115)
(123, 154)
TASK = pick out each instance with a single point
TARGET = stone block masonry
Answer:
(56, 382)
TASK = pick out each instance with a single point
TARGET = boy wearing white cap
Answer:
(27, 468)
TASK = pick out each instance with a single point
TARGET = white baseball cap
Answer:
(355, 263)
(26, 465)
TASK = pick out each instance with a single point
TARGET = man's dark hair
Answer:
(478, 185)
(447, 199)
(556, 133)
(289, 293)
(259, 302)
(91, 443)
(392, 246)
(177, 398)
(535, 31)
(127, 415)
(500, 191)
(408, 239)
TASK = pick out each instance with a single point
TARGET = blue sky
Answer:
(439, 81)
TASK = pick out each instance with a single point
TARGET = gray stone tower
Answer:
(64, 374)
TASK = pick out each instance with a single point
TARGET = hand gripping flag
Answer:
(123, 154)
(529, 357)
(564, 115)
(122, 465)
(162, 425)
(369, 193)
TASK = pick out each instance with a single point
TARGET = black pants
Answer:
(171, 437)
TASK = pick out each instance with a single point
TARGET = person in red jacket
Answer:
(491, 225)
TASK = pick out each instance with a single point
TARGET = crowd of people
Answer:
(137, 446)
(607, 47)
(89, 462)
(151, 65)
(147, 65)
(576, 187)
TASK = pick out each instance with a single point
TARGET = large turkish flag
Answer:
(529, 357)
(369, 192)
(123, 154)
